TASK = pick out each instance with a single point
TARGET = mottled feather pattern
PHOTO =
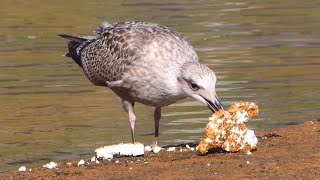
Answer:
(106, 57)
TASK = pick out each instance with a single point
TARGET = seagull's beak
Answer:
(214, 104)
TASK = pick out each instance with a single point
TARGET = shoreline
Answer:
(292, 152)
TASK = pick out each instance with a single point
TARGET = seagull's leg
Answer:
(128, 106)
(157, 116)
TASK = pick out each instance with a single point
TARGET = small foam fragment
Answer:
(22, 169)
(226, 129)
(50, 165)
(170, 149)
(148, 148)
(93, 159)
(81, 162)
(157, 149)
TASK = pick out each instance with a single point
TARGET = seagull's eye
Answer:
(194, 87)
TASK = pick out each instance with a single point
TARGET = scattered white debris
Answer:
(170, 149)
(148, 149)
(181, 150)
(51, 165)
(208, 164)
(97, 161)
(69, 163)
(249, 153)
(117, 162)
(22, 169)
(130, 168)
(81, 162)
(157, 149)
(248, 162)
(190, 148)
(128, 149)
(93, 159)
(30, 169)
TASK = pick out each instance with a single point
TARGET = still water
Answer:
(262, 51)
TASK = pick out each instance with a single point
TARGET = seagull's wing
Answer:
(107, 57)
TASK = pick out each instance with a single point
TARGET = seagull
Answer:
(145, 63)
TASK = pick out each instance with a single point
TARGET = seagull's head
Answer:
(199, 82)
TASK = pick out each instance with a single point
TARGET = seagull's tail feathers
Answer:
(102, 28)
(73, 46)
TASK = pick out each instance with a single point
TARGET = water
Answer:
(262, 51)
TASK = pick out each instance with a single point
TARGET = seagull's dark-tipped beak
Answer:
(214, 106)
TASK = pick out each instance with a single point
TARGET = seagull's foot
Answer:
(153, 147)
(154, 143)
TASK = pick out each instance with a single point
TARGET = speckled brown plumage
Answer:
(106, 56)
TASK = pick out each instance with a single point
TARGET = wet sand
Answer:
(284, 153)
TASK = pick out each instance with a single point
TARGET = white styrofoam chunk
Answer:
(81, 162)
(129, 149)
(148, 148)
(157, 149)
(93, 159)
(51, 165)
(22, 169)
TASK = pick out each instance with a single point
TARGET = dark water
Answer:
(262, 51)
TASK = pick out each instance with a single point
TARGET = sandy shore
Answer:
(285, 153)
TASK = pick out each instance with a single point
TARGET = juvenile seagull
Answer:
(146, 63)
